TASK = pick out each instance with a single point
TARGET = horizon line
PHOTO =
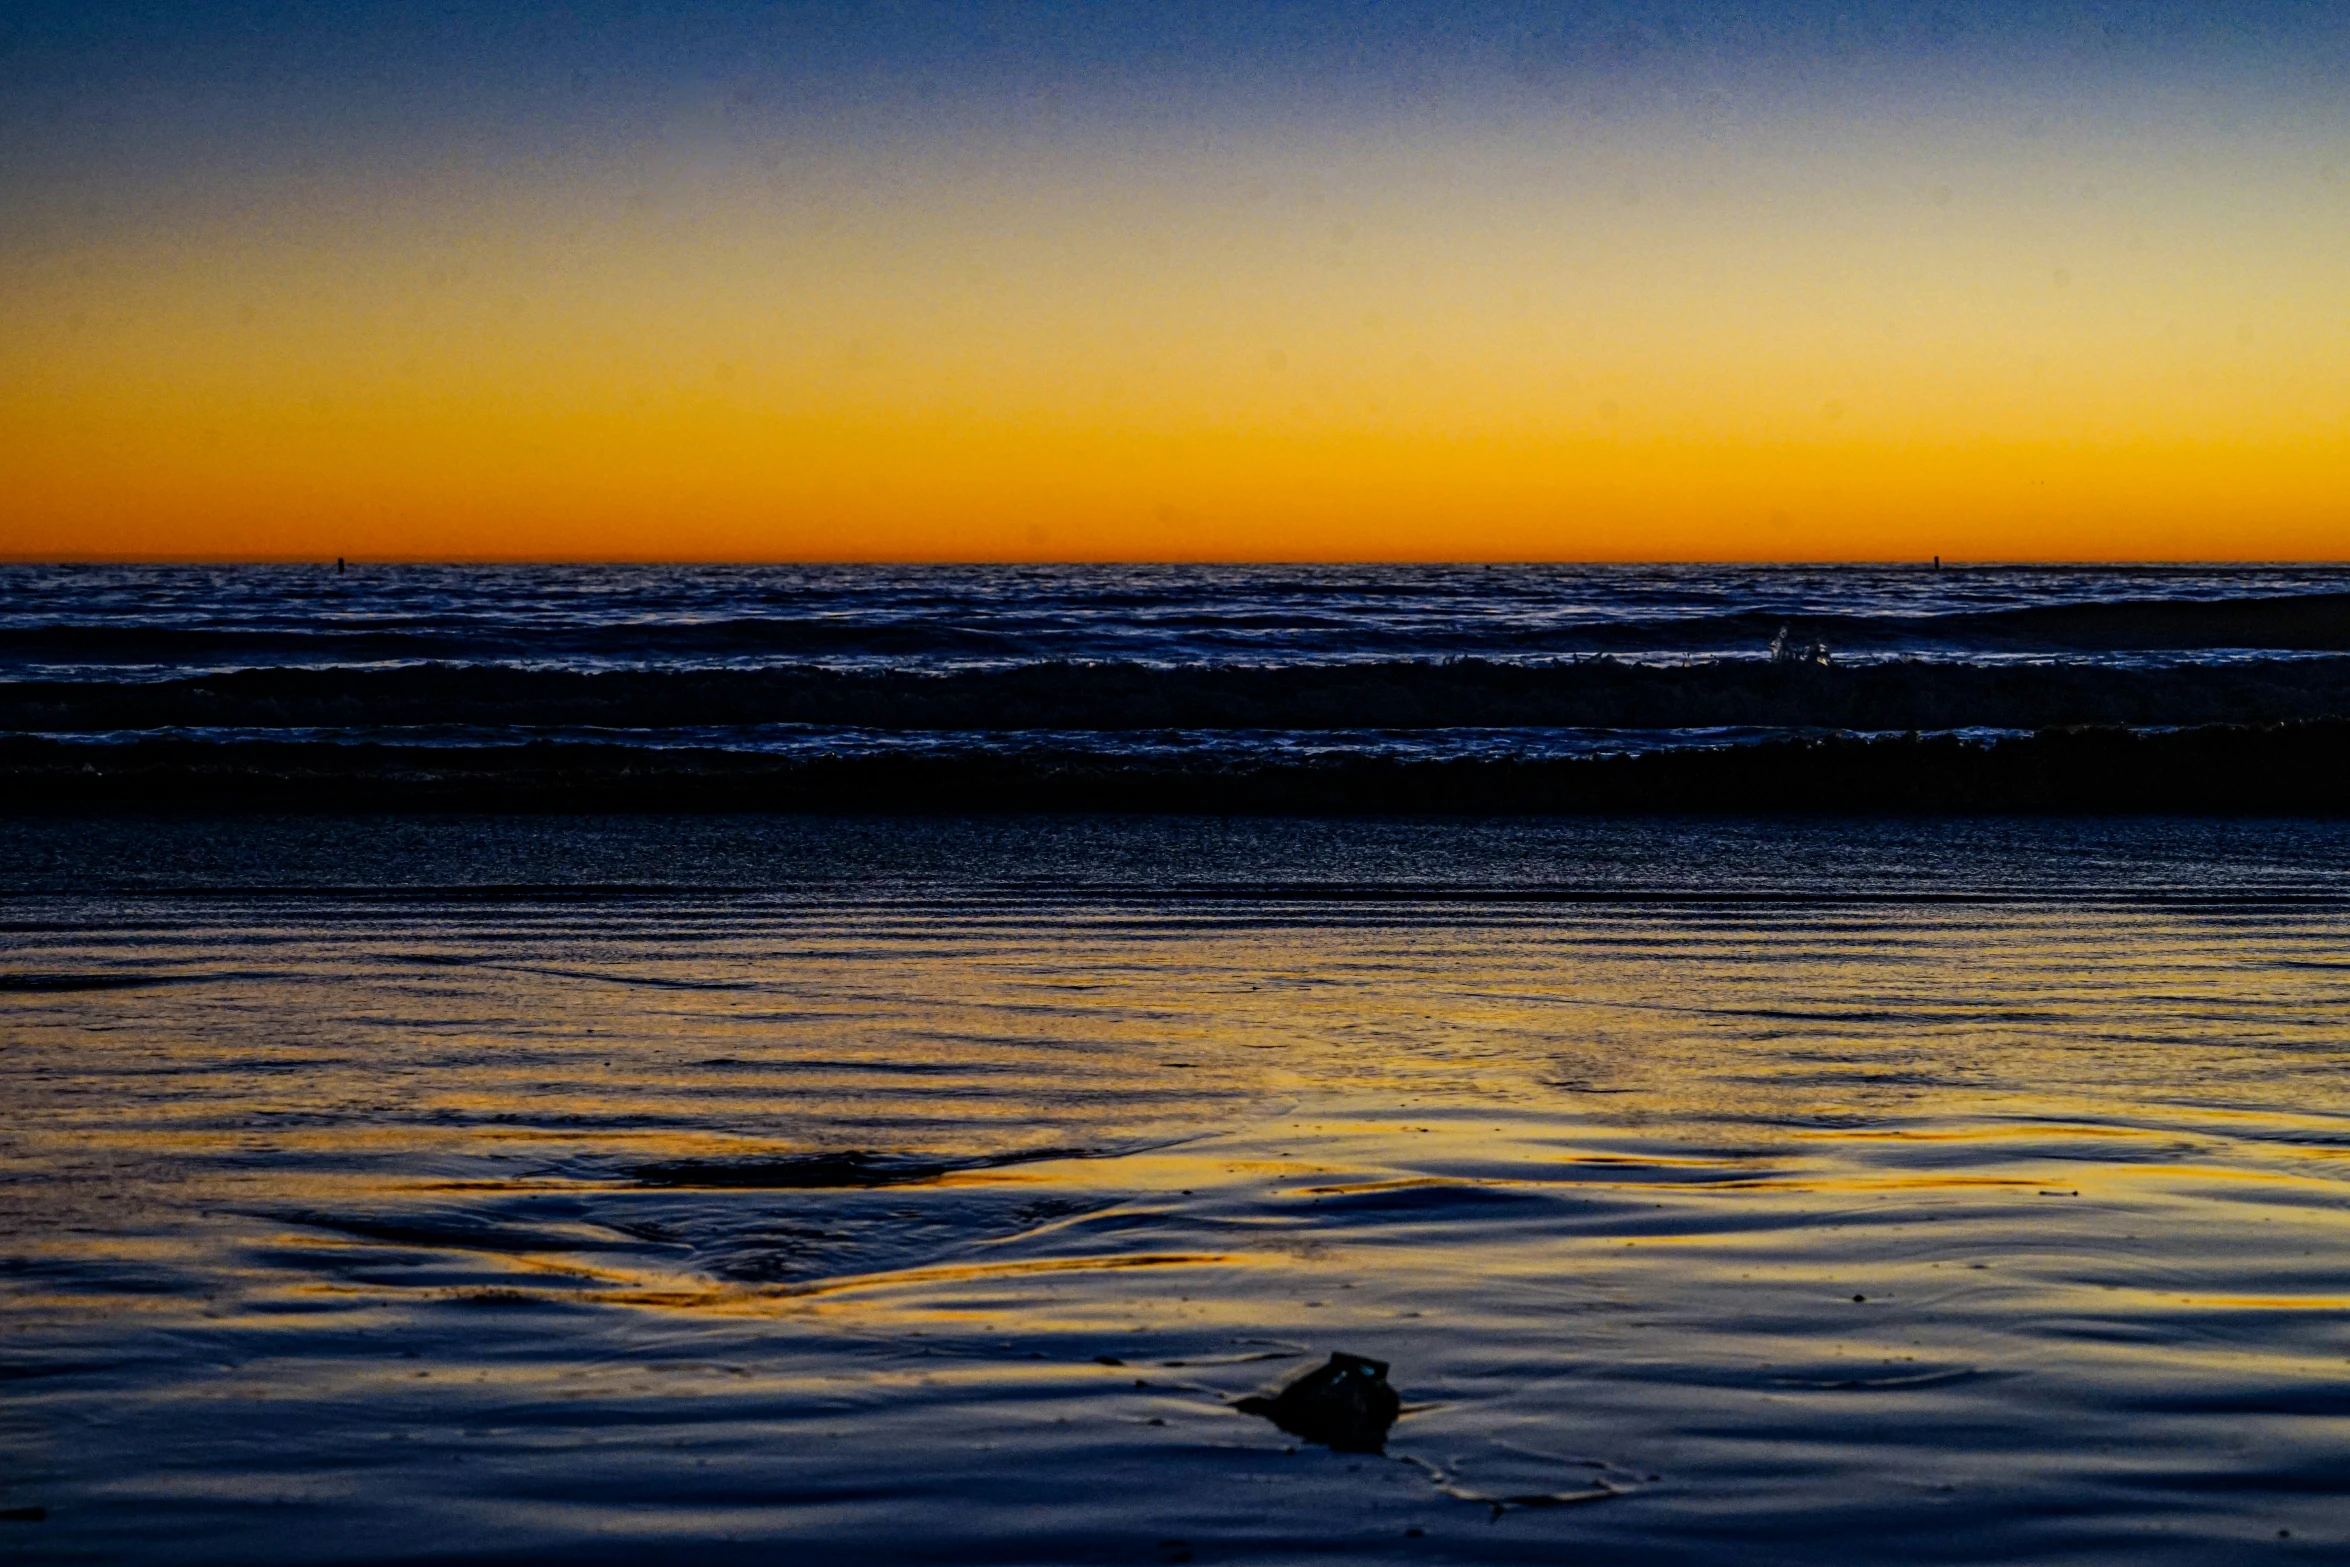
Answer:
(1926, 563)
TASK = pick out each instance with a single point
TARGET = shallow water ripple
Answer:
(941, 1214)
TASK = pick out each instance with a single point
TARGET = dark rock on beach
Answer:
(1344, 1403)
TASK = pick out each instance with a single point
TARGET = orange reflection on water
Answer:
(1845, 1194)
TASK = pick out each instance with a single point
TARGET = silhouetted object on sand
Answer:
(1345, 1404)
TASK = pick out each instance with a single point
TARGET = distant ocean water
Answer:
(1212, 687)
(161, 622)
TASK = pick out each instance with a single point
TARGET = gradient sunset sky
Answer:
(1611, 281)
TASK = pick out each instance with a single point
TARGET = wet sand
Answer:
(506, 1189)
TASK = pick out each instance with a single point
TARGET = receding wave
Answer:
(1242, 630)
(1590, 693)
(2294, 767)
(2300, 620)
(374, 641)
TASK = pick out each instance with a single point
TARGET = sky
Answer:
(1257, 279)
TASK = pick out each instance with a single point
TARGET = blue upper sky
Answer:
(491, 55)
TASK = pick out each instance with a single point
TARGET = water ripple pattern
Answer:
(505, 1190)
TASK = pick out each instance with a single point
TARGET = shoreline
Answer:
(1596, 692)
(2293, 768)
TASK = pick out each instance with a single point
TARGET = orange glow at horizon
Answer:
(1833, 346)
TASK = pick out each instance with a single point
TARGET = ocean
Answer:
(163, 622)
(1217, 688)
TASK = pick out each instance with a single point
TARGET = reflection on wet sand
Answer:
(943, 1215)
